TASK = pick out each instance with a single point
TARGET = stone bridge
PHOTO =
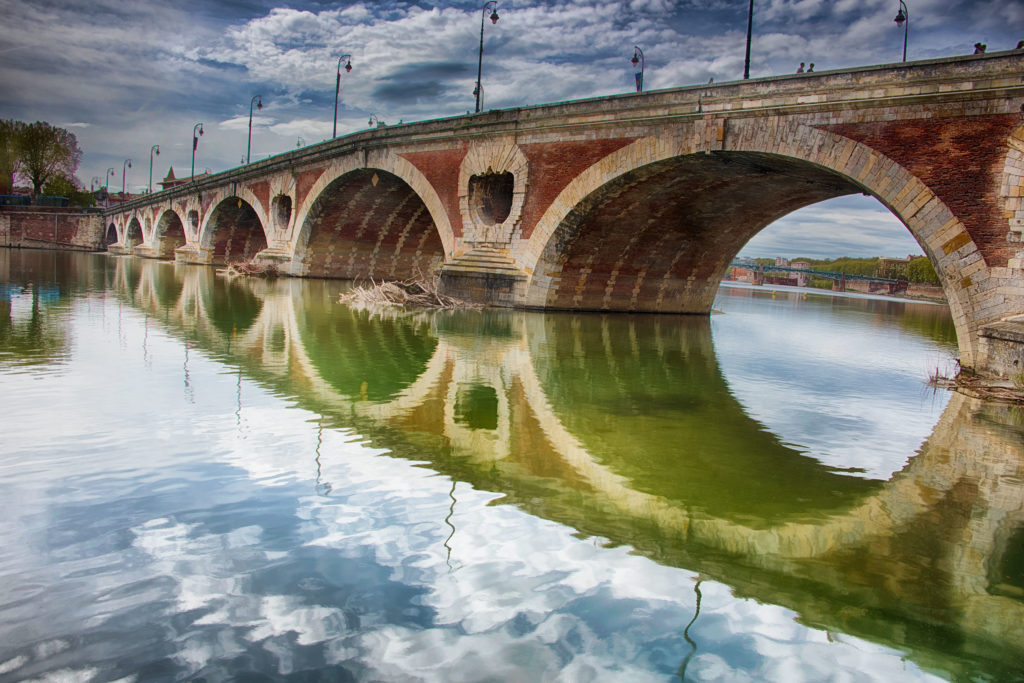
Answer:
(638, 202)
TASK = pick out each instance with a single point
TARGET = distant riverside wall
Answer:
(40, 227)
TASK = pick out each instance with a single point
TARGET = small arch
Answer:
(490, 197)
(169, 234)
(233, 232)
(133, 233)
(368, 223)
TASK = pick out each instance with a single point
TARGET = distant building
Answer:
(781, 262)
(801, 278)
(170, 181)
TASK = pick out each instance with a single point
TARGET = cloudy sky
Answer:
(124, 75)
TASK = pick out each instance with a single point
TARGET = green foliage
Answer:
(62, 186)
(44, 151)
(10, 133)
(921, 270)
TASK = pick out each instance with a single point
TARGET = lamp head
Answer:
(259, 103)
(635, 60)
(900, 17)
(157, 150)
(494, 16)
(348, 65)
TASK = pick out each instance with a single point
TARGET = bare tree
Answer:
(46, 150)
(10, 134)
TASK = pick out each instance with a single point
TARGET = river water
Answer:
(210, 480)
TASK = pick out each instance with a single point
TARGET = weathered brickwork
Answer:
(960, 160)
(441, 169)
(236, 233)
(37, 227)
(638, 202)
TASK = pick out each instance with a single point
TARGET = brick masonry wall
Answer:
(46, 228)
(961, 160)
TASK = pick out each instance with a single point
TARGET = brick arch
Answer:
(133, 228)
(233, 230)
(366, 221)
(110, 235)
(168, 233)
(824, 156)
(381, 160)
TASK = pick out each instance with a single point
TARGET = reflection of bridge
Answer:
(842, 552)
(638, 202)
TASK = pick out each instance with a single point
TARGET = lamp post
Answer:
(155, 149)
(299, 142)
(258, 101)
(337, 89)
(197, 130)
(903, 17)
(638, 58)
(124, 175)
(92, 184)
(493, 6)
(750, 28)
(373, 118)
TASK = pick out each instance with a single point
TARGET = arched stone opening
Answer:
(234, 232)
(490, 197)
(133, 234)
(111, 235)
(369, 224)
(281, 211)
(169, 235)
(661, 237)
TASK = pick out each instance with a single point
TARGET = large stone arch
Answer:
(812, 155)
(233, 230)
(168, 233)
(133, 233)
(110, 236)
(371, 220)
(378, 160)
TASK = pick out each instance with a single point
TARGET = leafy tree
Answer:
(45, 151)
(10, 134)
(62, 186)
(921, 270)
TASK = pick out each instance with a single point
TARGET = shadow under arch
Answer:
(111, 235)
(658, 233)
(133, 233)
(233, 232)
(368, 223)
(169, 234)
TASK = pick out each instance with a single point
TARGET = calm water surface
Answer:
(207, 480)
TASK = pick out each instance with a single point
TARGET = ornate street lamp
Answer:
(258, 101)
(110, 174)
(903, 17)
(750, 28)
(299, 142)
(197, 131)
(124, 174)
(638, 58)
(155, 149)
(337, 89)
(493, 6)
(373, 119)
(92, 184)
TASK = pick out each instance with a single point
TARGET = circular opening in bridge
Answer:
(282, 211)
(193, 221)
(490, 196)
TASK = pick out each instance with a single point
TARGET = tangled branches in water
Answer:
(409, 294)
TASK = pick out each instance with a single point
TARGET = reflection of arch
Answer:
(233, 231)
(717, 201)
(368, 224)
(169, 234)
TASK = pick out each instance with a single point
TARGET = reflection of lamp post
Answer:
(155, 149)
(750, 28)
(337, 89)
(903, 17)
(197, 130)
(124, 173)
(480, 61)
(258, 101)
(638, 58)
